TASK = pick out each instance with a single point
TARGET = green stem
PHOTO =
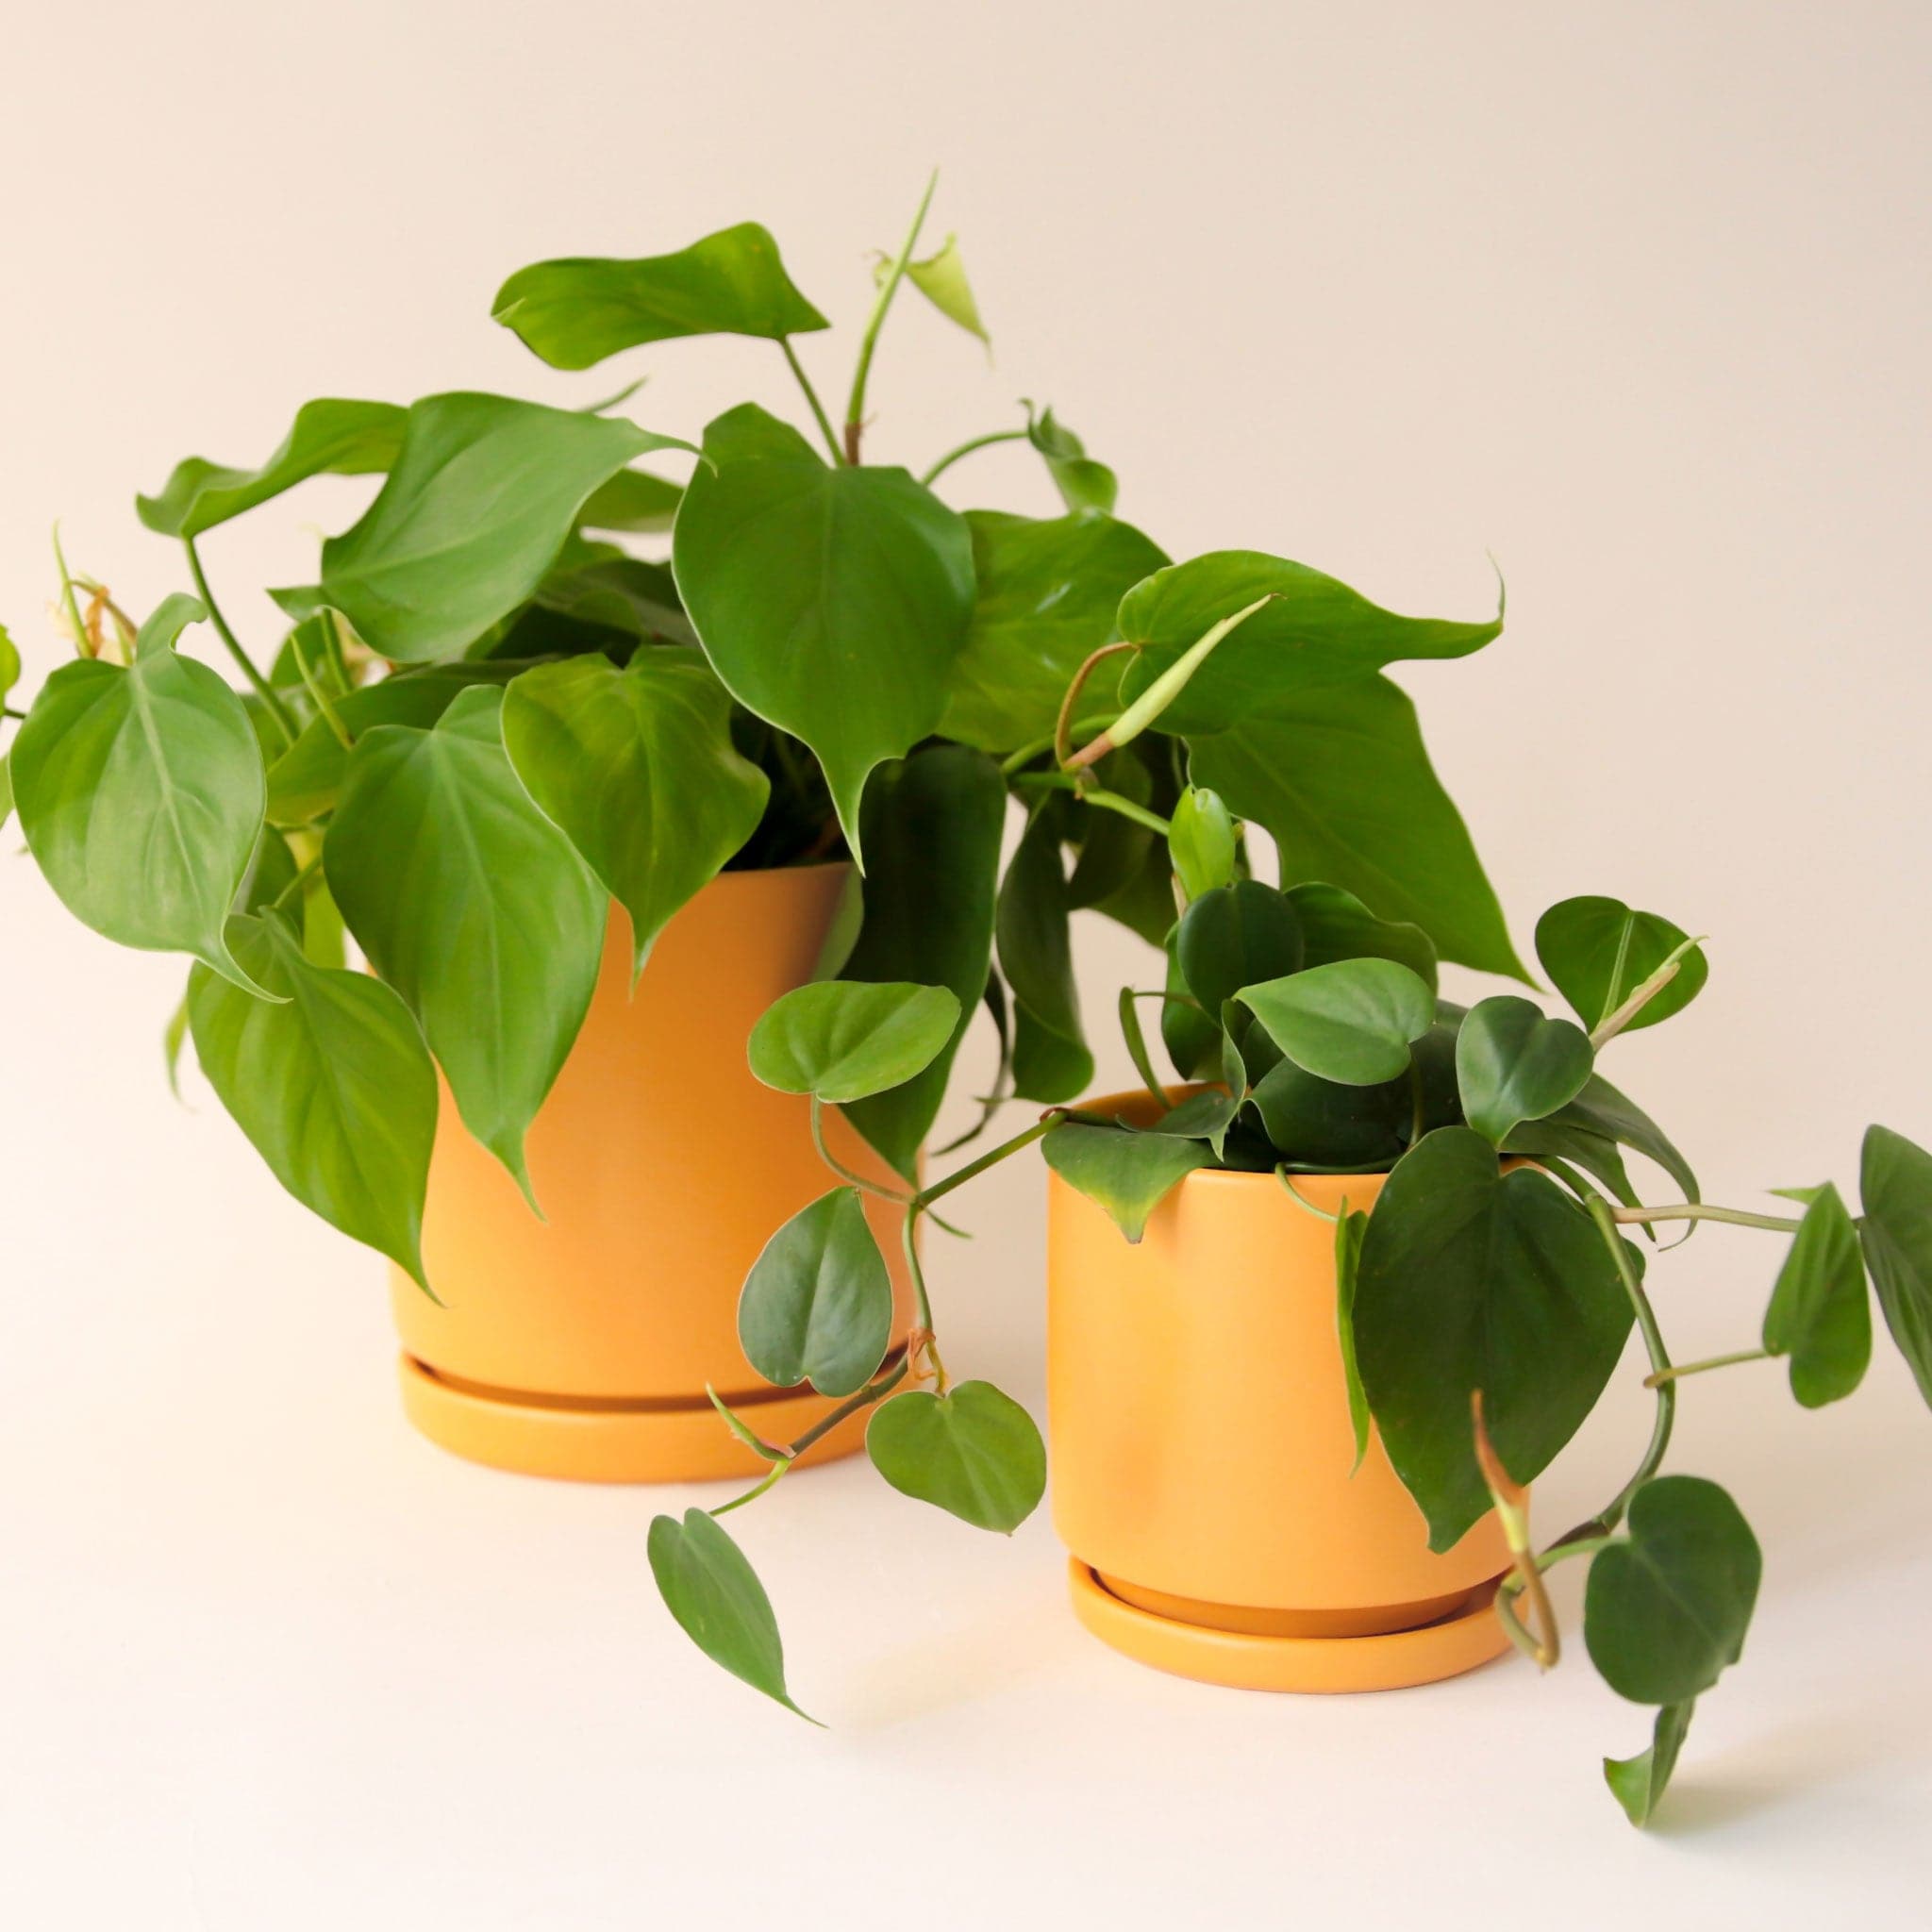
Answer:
(838, 1167)
(1093, 795)
(1018, 760)
(332, 645)
(67, 595)
(966, 449)
(1419, 1099)
(921, 1301)
(752, 1495)
(263, 689)
(879, 1385)
(1666, 970)
(940, 1189)
(1136, 1049)
(295, 884)
(811, 395)
(1658, 1377)
(1696, 1210)
(1294, 1194)
(855, 408)
(317, 690)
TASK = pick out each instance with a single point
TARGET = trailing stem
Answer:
(855, 408)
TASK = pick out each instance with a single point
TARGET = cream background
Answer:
(1634, 297)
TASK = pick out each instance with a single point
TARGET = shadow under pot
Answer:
(579, 1345)
(1202, 1449)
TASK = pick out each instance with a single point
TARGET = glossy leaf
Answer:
(1558, 1140)
(637, 768)
(1636, 1783)
(480, 501)
(932, 838)
(141, 793)
(1819, 1315)
(1895, 1187)
(1514, 1065)
(1352, 1021)
(1600, 1109)
(1051, 1062)
(941, 280)
(334, 1088)
(1598, 952)
(1046, 597)
(1235, 936)
(817, 1304)
(1337, 926)
(1202, 842)
(1083, 484)
(1128, 1174)
(713, 1590)
(1338, 777)
(832, 602)
(473, 906)
(575, 311)
(1666, 1608)
(1316, 1122)
(333, 435)
(840, 1040)
(1476, 1279)
(973, 1450)
(1351, 1228)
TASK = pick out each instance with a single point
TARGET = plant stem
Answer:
(922, 1302)
(1063, 724)
(1697, 1210)
(1093, 795)
(263, 689)
(1294, 1194)
(940, 1189)
(1018, 760)
(881, 1384)
(1136, 1049)
(855, 408)
(838, 1167)
(316, 690)
(1660, 1376)
(966, 449)
(752, 1495)
(811, 395)
(295, 884)
(1611, 1025)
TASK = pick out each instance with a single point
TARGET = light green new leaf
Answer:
(1126, 1172)
(334, 1089)
(1353, 1022)
(575, 311)
(1819, 1313)
(1083, 484)
(1666, 1608)
(1598, 952)
(1476, 1279)
(840, 1040)
(1338, 775)
(1350, 1231)
(1202, 843)
(1312, 631)
(141, 793)
(714, 1593)
(1514, 1065)
(817, 1305)
(9, 662)
(1051, 1061)
(941, 280)
(636, 766)
(481, 497)
(473, 906)
(973, 1450)
(1337, 926)
(832, 602)
(331, 434)
(1895, 1186)
(1047, 592)
(1637, 1783)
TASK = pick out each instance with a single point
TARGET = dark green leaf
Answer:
(842, 1040)
(473, 906)
(1316, 1122)
(1595, 1153)
(1351, 1021)
(1337, 926)
(832, 602)
(1598, 952)
(1637, 1783)
(637, 768)
(1819, 1314)
(719, 1602)
(347, 438)
(1895, 1183)
(1192, 1039)
(973, 1450)
(141, 794)
(1051, 1062)
(1209, 1114)
(1083, 484)
(1235, 936)
(1338, 777)
(334, 1088)
(575, 311)
(1474, 1279)
(1127, 1173)
(817, 1304)
(1600, 1110)
(1666, 1608)
(1513, 1065)
(1351, 1228)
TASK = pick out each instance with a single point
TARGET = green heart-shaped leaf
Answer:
(1126, 1172)
(840, 1040)
(1819, 1313)
(1513, 1065)
(1637, 1783)
(1235, 936)
(1051, 1062)
(573, 312)
(1191, 1037)
(141, 792)
(1083, 484)
(636, 766)
(1476, 1279)
(1666, 1608)
(1337, 926)
(334, 1088)
(973, 1450)
(817, 1305)
(1352, 1021)
(331, 434)
(1895, 1187)
(473, 906)
(832, 602)
(1316, 1122)
(1598, 952)
(719, 1602)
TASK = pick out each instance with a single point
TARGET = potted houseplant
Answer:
(585, 813)
(1319, 1313)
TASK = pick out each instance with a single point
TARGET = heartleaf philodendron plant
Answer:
(492, 713)
(1481, 1308)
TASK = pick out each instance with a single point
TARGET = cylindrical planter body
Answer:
(580, 1344)
(1202, 1450)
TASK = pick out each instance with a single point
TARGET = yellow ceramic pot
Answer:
(580, 1344)
(1202, 1450)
